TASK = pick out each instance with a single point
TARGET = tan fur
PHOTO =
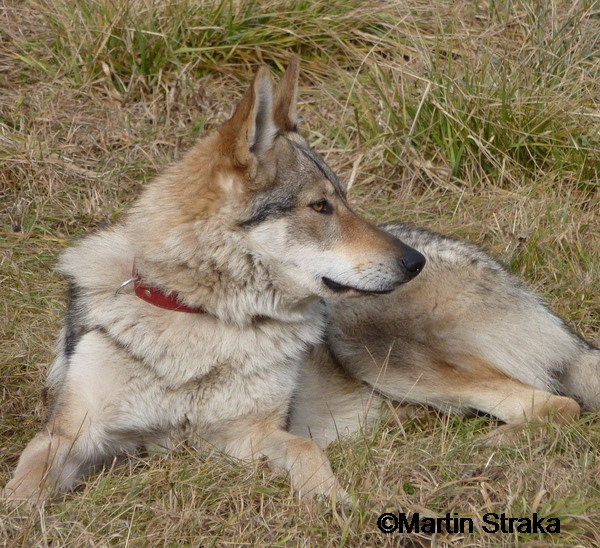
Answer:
(130, 374)
(253, 227)
(229, 229)
(464, 335)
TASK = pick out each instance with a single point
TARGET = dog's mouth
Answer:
(339, 288)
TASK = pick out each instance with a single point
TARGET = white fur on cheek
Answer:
(270, 240)
(306, 264)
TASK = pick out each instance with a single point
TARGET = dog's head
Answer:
(297, 214)
(257, 178)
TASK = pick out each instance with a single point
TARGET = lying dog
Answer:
(218, 312)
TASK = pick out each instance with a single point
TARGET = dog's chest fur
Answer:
(205, 370)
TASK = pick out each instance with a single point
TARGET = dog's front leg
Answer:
(301, 458)
(92, 421)
(47, 464)
(308, 468)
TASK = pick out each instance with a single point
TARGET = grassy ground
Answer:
(476, 118)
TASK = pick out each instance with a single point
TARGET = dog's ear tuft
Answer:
(286, 97)
(251, 130)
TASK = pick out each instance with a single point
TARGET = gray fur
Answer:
(235, 228)
(414, 345)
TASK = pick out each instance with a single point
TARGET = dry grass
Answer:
(478, 119)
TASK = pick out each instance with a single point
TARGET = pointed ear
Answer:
(251, 130)
(286, 97)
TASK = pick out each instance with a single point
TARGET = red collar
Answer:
(157, 298)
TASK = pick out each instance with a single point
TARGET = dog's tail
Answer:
(580, 380)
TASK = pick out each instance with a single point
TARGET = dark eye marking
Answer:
(269, 210)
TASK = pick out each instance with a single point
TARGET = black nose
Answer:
(412, 262)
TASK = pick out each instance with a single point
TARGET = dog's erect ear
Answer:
(286, 97)
(251, 130)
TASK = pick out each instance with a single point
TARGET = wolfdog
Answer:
(219, 312)
(229, 254)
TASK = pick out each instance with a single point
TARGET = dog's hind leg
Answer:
(466, 383)
(515, 404)
(470, 382)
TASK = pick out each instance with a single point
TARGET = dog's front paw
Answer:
(20, 491)
(311, 476)
(319, 486)
(340, 496)
(502, 435)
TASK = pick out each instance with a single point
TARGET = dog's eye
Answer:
(322, 206)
